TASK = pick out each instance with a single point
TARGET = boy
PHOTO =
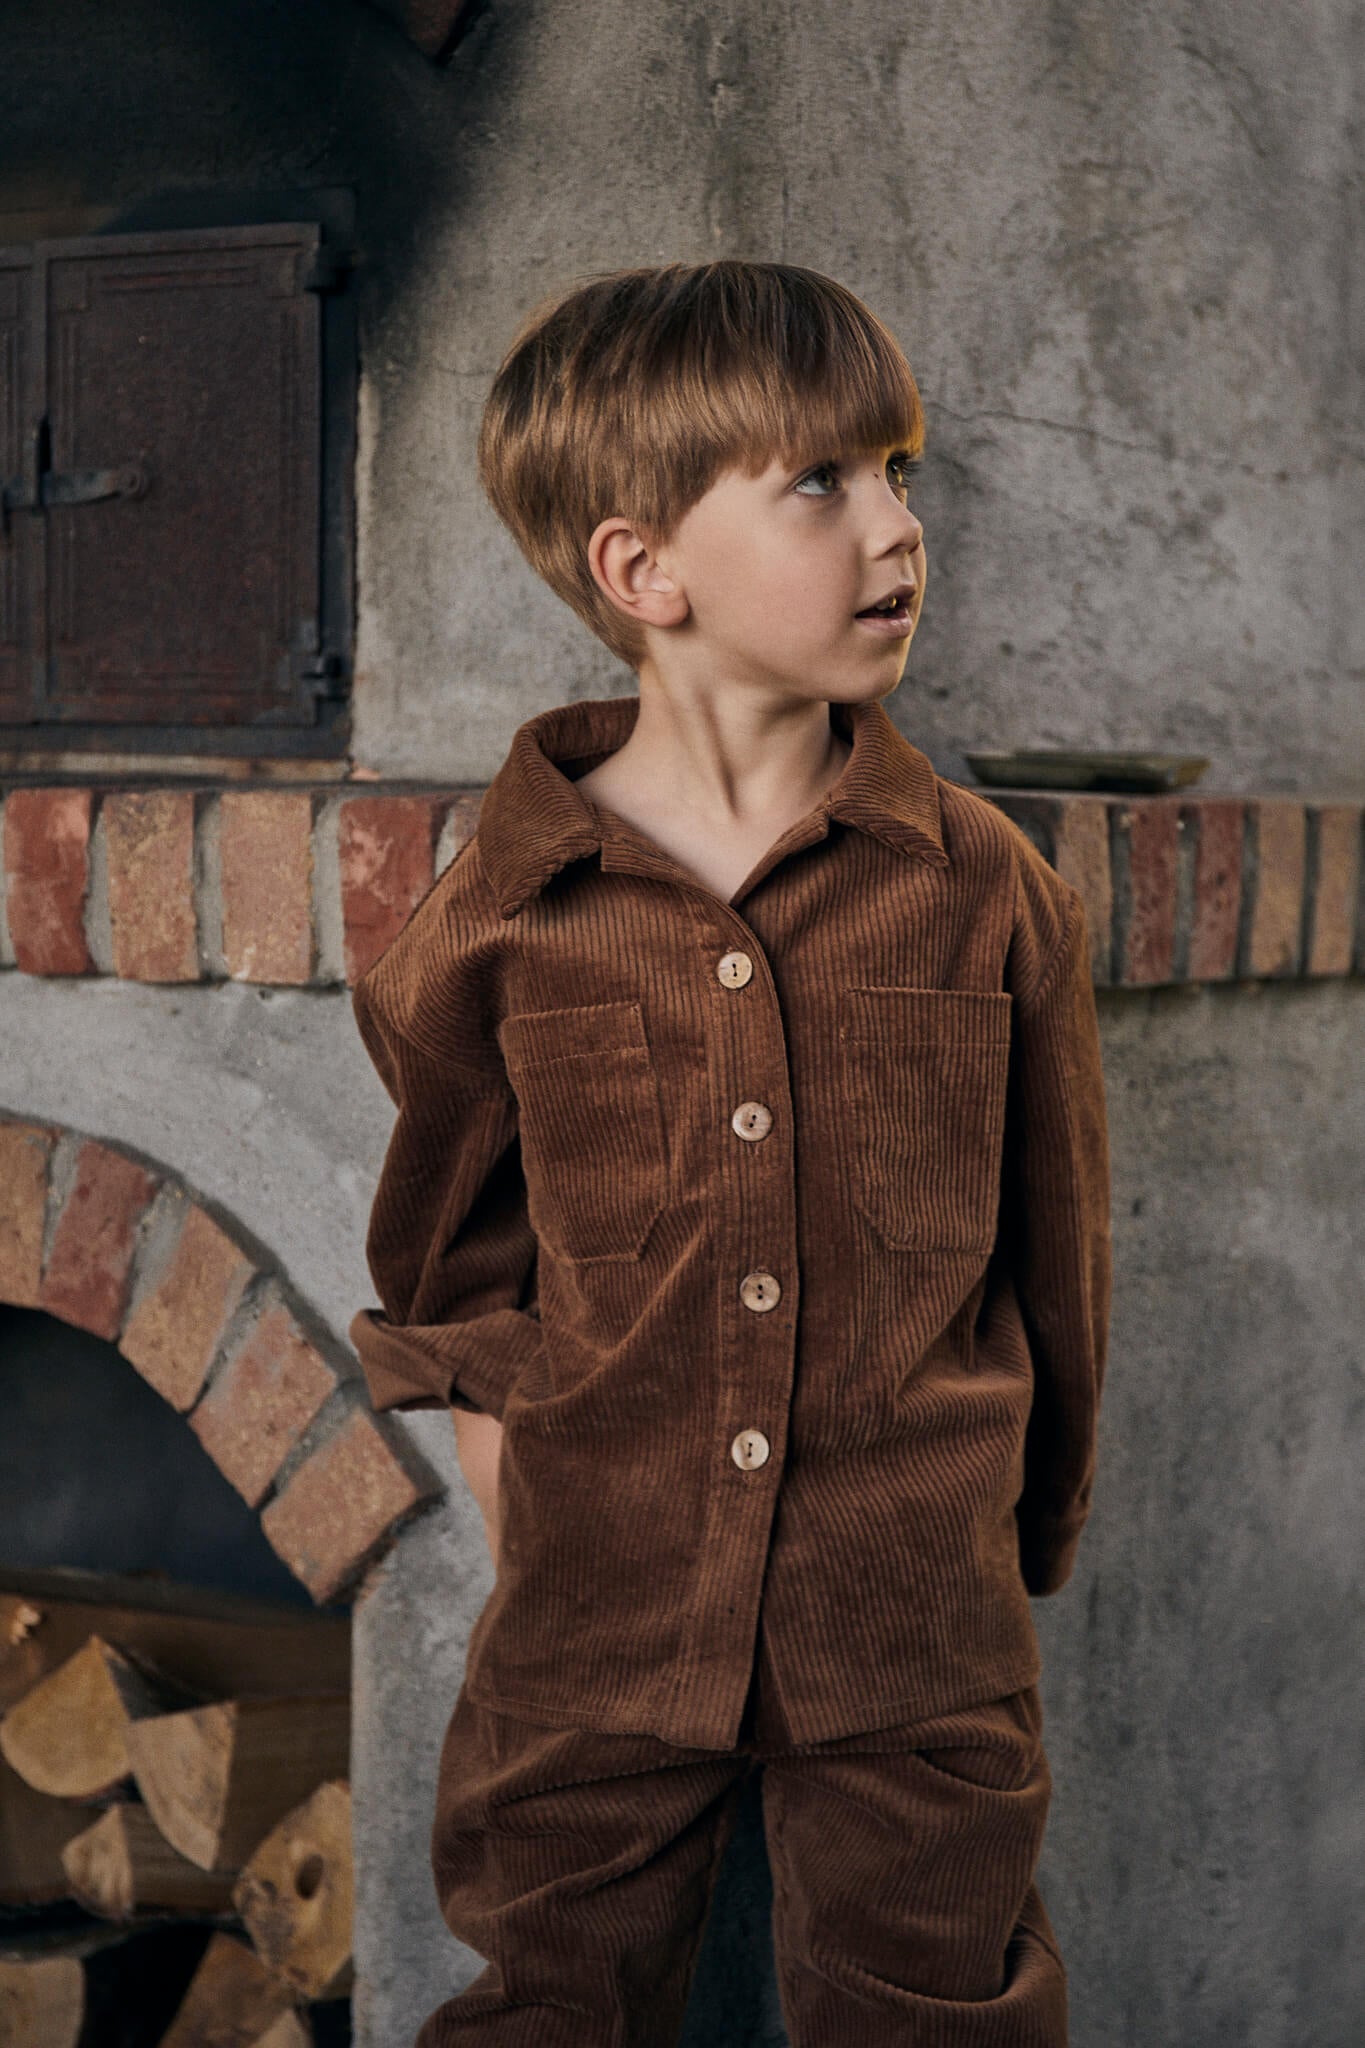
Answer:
(748, 1205)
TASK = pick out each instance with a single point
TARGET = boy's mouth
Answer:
(894, 606)
(891, 616)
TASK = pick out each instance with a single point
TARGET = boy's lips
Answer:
(895, 621)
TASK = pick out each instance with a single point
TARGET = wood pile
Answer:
(175, 1823)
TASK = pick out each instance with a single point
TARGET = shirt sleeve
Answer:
(1056, 1196)
(449, 1247)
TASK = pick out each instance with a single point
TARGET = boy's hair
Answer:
(629, 394)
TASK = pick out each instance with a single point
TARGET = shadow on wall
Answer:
(97, 1472)
(145, 115)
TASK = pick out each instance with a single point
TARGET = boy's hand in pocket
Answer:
(478, 1442)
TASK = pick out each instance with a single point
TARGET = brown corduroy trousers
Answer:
(905, 1911)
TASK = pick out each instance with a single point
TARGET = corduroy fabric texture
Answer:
(903, 1286)
(905, 1905)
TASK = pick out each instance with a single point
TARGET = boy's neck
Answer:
(730, 759)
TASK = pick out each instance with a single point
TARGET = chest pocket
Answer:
(924, 1074)
(592, 1129)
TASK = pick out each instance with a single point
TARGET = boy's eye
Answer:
(824, 469)
(900, 468)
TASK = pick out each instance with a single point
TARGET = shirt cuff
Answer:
(445, 1365)
(1047, 1554)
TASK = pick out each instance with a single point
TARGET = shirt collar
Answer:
(532, 820)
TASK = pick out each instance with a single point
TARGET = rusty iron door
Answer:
(162, 424)
(20, 553)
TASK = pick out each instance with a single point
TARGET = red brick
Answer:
(1081, 843)
(266, 856)
(386, 847)
(1151, 825)
(1332, 934)
(342, 1504)
(1277, 905)
(87, 1275)
(174, 1330)
(149, 835)
(47, 865)
(25, 1154)
(261, 1402)
(1217, 823)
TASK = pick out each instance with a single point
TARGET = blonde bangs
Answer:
(630, 394)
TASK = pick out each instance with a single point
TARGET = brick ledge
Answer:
(292, 886)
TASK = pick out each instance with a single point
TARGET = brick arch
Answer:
(96, 1237)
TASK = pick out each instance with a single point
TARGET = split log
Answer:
(296, 1895)
(87, 1987)
(219, 1645)
(291, 2030)
(217, 1778)
(124, 1862)
(34, 1830)
(42, 2001)
(232, 2001)
(68, 1734)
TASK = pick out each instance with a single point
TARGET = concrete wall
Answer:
(1121, 245)
(1117, 243)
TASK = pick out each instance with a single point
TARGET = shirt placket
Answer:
(757, 1284)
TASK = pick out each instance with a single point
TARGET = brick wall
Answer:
(304, 887)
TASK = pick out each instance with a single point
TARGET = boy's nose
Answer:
(911, 532)
(907, 518)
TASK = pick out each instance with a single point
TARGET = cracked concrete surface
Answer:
(1121, 245)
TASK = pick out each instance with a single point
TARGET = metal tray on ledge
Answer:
(1065, 768)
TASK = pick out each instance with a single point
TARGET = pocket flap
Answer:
(884, 1016)
(535, 1037)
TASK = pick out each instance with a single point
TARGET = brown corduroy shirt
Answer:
(776, 1232)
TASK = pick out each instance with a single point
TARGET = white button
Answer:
(752, 1120)
(760, 1292)
(750, 1448)
(734, 969)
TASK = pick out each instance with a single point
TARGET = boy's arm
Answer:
(449, 1246)
(1056, 1222)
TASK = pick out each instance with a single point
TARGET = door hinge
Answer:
(324, 272)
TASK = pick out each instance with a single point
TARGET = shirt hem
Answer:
(898, 1712)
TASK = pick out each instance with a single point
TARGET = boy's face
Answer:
(777, 569)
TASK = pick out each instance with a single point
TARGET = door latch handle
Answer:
(89, 486)
(73, 487)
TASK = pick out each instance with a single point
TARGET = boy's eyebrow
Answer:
(902, 447)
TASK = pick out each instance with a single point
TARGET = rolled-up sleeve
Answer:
(449, 1247)
(1056, 1209)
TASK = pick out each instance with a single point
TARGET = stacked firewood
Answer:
(175, 1824)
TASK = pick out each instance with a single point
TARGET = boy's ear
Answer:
(627, 570)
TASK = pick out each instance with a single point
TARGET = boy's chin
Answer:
(868, 689)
